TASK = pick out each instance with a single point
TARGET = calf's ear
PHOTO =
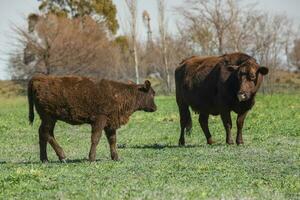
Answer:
(146, 86)
(263, 70)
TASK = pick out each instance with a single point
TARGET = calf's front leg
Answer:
(97, 128)
(112, 140)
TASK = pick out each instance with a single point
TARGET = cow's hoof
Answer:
(230, 142)
(45, 161)
(115, 157)
(239, 142)
(63, 161)
(210, 141)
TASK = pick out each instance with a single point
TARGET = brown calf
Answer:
(105, 105)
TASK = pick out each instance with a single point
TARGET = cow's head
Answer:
(146, 97)
(249, 75)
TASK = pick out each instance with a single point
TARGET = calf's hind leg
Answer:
(43, 142)
(57, 148)
(46, 134)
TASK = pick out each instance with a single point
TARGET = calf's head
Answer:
(146, 97)
(249, 76)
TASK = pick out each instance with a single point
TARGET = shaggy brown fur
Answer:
(217, 85)
(78, 100)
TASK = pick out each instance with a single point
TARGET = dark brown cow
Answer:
(217, 85)
(79, 100)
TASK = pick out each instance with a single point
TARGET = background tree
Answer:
(147, 24)
(221, 26)
(59, 45)
(132, 7)
(294, 55)
(210, 21)
(100, 10)
(67, 38)
(162, 23)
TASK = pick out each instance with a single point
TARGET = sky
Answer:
(14, 12)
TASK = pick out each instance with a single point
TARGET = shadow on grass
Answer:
(83, 160)
(155, 146)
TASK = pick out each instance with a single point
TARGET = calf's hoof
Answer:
(210, 141)
(181, 143)
(63, 160)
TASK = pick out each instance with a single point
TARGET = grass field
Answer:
(152, 166)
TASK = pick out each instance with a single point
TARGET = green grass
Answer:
(152, 166)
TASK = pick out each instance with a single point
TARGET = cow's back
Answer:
(196, 82)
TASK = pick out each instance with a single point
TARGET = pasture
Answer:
(152, 166)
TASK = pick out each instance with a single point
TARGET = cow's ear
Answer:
(263, 70)
(232, 68)
(226, 59)
(146, 86)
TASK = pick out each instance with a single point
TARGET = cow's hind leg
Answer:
(112, 139)
(203, 120)
(185, 122)
(226, 119)
(97, 128)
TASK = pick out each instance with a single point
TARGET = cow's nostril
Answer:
(242, 96)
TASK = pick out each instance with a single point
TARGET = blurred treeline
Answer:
(80, 37)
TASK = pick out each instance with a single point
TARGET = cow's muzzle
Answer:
(242, 96)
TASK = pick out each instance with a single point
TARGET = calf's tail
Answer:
(30, 103)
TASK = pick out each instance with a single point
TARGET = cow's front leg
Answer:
(226, 119)
(240, 123)
(97, 128)
(112, 139)
(203, 120)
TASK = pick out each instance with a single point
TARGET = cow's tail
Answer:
(30, 102)
(185, 115)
